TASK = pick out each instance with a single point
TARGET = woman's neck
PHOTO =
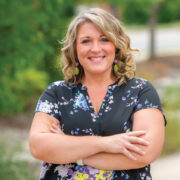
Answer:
(97, 81)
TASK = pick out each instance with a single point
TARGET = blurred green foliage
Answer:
(18, 93)
(172, 102)
(30, 32)
(139, 14)
(138, 11)
(170, 11)
(172, 134)
(171, 107)
(13, 169)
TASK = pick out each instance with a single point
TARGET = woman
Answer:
(111, 124)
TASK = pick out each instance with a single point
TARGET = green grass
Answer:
(172, 138)
(15, 170)
(172, 113)
(11, 169)
(172, 98)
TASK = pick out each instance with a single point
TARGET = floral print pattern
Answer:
(72, 106)
(47, 107)
(87, 131)
(80, 102)
(44, 169)
(70, 172)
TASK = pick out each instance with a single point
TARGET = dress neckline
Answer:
(110, 86)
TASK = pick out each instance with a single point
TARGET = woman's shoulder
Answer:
(61, 85)
(138, 85)
(137, 82)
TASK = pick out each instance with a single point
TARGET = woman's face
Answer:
(95, 52)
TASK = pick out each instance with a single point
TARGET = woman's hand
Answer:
(56, 129)
(125, 143)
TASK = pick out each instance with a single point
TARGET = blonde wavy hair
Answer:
(113, 30)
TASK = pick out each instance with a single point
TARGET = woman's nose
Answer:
(96, 47)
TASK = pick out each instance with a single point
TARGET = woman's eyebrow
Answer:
(87, 37)
(84, 37)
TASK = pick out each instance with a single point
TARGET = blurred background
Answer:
(30, 35)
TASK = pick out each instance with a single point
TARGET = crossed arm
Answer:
(118, 152)
(150, 120)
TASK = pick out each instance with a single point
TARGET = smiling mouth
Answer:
(96, 59)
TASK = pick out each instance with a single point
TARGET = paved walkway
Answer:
(167, 42)
(167, 168)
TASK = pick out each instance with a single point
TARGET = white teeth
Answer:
(96, 59)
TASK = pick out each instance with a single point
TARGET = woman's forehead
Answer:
(88, 29)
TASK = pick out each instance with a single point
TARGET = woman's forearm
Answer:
(53, 146)
(110, 161)
(155, 135)
(61, 149)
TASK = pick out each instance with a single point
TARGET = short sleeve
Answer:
(148, 98)
(48, 102)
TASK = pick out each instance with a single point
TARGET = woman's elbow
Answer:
(40, 149)
(142, 162)
(148, 158)
(34, 146)
(153, 151)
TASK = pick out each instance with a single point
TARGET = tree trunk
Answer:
(152, 26)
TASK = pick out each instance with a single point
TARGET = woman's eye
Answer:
(104, 39)
(85, 41)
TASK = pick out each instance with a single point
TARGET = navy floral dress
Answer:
(71, 105)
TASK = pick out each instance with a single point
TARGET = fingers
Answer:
(137, 140)
(136, 133)
(127, 144)
(129, 148)
(55, 129)
(133, 140)
(134, 148)
(129, 154)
